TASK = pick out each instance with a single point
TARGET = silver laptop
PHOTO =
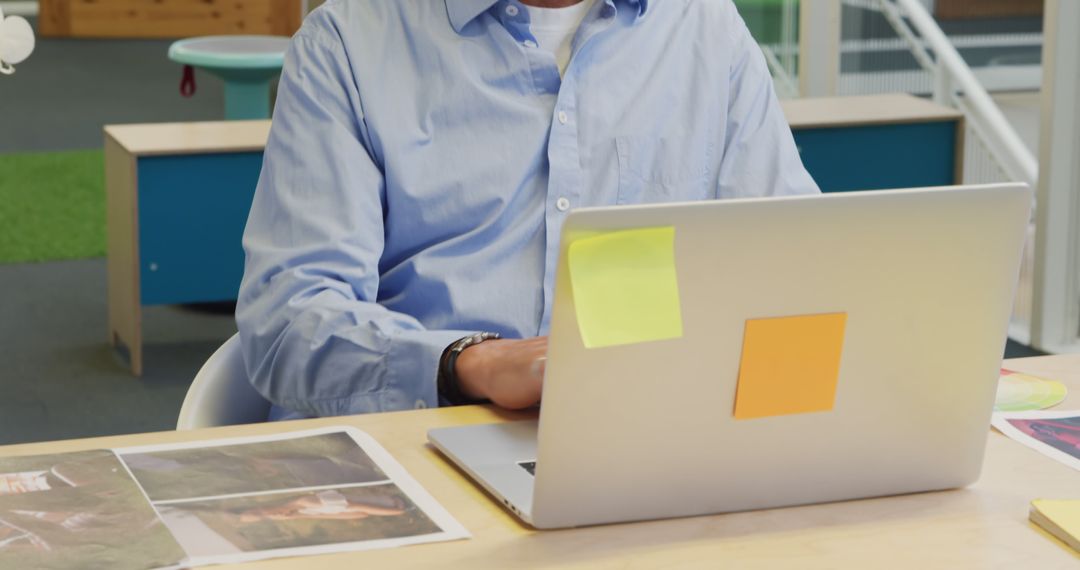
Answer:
(924, 280)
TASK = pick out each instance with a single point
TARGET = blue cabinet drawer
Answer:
(876, 157)
(193, 208)
(192, 212)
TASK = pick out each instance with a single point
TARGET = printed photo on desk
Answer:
(1053, 434)
(313, 492)
(78, 510)
(316, 461)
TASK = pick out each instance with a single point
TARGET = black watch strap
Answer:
(449, 390)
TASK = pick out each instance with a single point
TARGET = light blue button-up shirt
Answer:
(424, 155)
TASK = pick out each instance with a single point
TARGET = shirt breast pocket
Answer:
(654, 169)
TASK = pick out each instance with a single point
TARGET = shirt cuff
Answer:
(413, 368)
(405, 379)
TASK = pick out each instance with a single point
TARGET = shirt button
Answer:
(530, 43)
(563, 118)
(420, 404)
(562, 204)
(511, 10)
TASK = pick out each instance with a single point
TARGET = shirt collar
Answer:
(464, 11)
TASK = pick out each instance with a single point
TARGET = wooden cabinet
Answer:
(167, 18)
(877, 142)
(177, 199)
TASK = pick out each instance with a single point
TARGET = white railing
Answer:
(956, 85)
(994, 149)
(1055, 315)
(869, 61)
(787, 85)
(781, 55)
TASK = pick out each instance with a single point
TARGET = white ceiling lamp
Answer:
(16, 42)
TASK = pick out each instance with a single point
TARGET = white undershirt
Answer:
(554, 28)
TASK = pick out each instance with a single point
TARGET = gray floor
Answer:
(59, 378)
(62, 95)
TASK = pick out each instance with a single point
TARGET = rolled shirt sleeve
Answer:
(314, 339)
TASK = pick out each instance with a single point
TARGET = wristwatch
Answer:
(447, 377)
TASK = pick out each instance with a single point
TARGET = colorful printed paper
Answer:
(213, 502)
(625, 287)
(1019, 392)
(789, 365)
(313, 492)
(1055, 434)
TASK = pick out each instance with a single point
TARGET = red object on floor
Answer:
(187, 82)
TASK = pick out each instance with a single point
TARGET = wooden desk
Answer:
(982, 526)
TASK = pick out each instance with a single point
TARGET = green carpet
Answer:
(52, 206)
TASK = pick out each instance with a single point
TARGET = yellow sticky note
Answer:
(1060, 518)
(625, 287)
(789, 365)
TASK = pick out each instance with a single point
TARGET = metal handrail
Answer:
(955, 83)
(786, 85)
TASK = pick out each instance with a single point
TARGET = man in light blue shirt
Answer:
(423, 157)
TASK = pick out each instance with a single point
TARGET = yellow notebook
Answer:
(1060, 518)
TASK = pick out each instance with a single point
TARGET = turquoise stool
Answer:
(247, 65)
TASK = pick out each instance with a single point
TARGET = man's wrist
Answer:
(450, 385)
(468, 370)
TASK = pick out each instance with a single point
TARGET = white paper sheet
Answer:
(1054, 434)
(301, 493)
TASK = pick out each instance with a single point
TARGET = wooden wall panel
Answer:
(973, 9)
(54, 18)
(167, 18)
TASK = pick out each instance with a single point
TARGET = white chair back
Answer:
(221, 394)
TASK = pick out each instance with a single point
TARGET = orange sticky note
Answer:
(789, 365)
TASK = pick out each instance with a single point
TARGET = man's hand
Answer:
(510, 373)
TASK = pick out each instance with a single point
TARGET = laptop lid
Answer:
(924, 280)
